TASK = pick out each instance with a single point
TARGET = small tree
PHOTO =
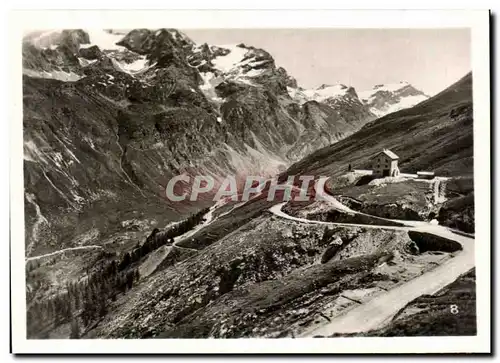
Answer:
(102, 306)
(75, 329)
(130, 279)
(125, 261)
(66, 307)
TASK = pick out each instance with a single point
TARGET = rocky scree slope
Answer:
(110, 117)
(268, 278)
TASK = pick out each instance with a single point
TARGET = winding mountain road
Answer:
(379, 310)
(153, 261)
(319, 187)
(208, 219)
(277, 210)
(62, 251)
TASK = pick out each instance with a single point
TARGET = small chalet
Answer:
(385, 163)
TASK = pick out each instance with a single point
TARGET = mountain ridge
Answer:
(432, 122)
(379, 101)
(103, 123)
(99, 150)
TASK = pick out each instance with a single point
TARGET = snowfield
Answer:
(324, 93)
(59, 75)
(405, 102)
(210, 81)
(369, 96)
(103, 39)
(391, 87)
(228, 62)
(231, 65)
(86, 62)
(137, 66)
(320, 94)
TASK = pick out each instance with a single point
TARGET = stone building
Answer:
(385, 163)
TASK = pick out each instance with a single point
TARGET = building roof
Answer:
(389, 153)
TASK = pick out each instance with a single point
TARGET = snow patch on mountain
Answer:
(210, 81)
(137, 66)
(134, 67)
(391, 87)
(388, 98)
(381, 100)
(55, 74)
(235, 67)
(177, 35)
(46, 39)
(104, 39)
(227, 63)
(86, 62)
(405, 102)
(32, 152)
(254, 73)
(369, 95)
(319, 94)
(297, 95)
(326, 91)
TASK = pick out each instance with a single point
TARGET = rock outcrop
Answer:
(111, 115)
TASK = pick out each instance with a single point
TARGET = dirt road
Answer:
(62, 251)
(379, 310)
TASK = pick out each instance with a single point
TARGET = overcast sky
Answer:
(430, 59)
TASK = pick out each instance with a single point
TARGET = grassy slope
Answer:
(434, 135)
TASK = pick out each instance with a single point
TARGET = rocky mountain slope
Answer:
(110, 117)
(379, 101)
(348, 109)
(434, 135)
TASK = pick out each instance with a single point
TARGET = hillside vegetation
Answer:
(437, 134)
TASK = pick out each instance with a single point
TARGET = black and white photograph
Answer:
(272, 182)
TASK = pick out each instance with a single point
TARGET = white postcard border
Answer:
(478, 21)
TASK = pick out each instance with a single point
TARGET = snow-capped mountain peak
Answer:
(229, 61)
(105, 39)
(388, 98)
(236, 61)
(326, 91)
(323, 93)
(391, 87)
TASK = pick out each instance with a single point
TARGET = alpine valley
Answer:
(109, 117)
